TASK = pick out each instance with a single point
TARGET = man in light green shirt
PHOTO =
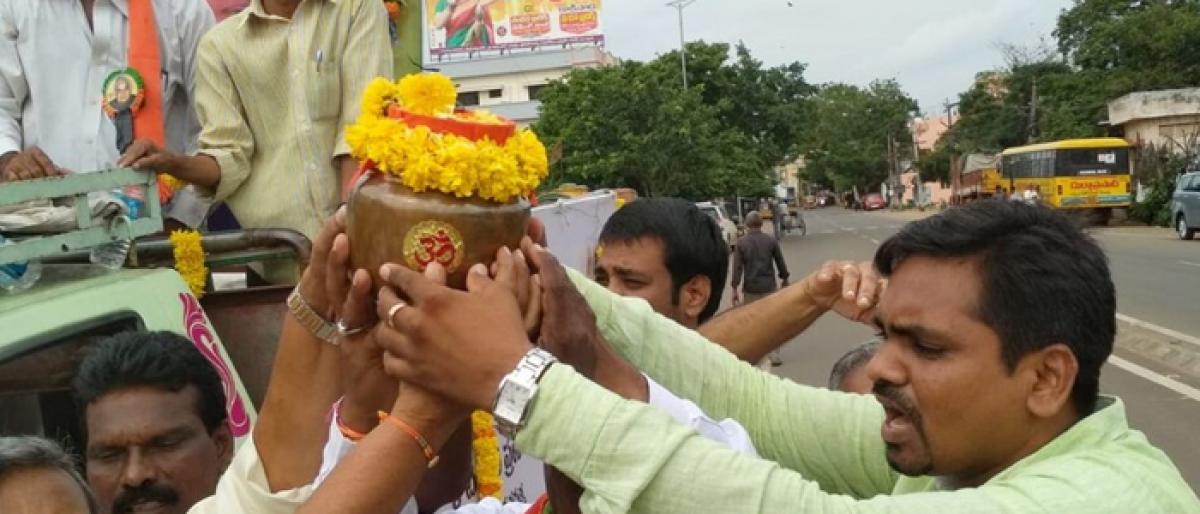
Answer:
(996, 322)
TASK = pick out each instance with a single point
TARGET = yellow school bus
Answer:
(1088, 173)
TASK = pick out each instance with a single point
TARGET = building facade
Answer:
(1166, 119)
(509, 85)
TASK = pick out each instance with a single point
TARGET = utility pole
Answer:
(892, 180)
(1033, 107)
(679, 5)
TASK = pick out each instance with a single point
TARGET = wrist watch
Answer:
(517, 390)
(309, 319)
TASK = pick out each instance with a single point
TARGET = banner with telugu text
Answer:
(465, 26)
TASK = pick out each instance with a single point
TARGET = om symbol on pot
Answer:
(433, 241)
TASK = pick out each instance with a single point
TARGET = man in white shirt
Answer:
(1031, 195)
(55, 56)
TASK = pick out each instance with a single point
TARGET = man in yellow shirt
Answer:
(278, 83)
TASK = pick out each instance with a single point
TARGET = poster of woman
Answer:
(466, 23)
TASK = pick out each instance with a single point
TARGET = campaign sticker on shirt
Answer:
(124, 90)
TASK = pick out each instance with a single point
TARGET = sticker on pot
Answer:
(433, 241)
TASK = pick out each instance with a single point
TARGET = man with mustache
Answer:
(155, 422)
(986, 387)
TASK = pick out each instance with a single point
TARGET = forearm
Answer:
(751, 333)
(447, 481)
(383, 471)
(619, 376)
(629, 457)
(199, 169)
(291, 428)
(810, 436)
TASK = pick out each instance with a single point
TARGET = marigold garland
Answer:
(487, 456)
(427, 94)
(424, 160)
(189, 260)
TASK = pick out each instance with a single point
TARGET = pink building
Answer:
(928, 130)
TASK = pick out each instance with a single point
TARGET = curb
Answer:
(1174, 352)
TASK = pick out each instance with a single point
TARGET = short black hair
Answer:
(164, 360)
(692, 242)
(29, 452)
(1044, 280)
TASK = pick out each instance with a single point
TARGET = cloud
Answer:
(932, 47)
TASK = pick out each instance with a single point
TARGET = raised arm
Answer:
(388, 464)
(816, 434)
(751, 333)
(305, 378)
(630, 457)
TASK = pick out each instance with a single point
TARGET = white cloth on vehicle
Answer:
(50, 217)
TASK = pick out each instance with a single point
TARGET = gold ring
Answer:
(391, 313)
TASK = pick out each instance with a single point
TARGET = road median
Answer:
(1171, 354)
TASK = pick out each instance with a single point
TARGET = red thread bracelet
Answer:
(430, 455)
(347, 432)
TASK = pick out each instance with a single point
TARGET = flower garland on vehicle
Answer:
(486, 449)
(411, 130)
(189, 260)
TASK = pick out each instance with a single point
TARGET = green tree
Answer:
(846, 144)
(1143, 44)
(633, 125)
(616, 126)
(767, 105)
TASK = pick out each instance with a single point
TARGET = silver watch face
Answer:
(511, 403)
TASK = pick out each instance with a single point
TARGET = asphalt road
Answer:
(1156, 283)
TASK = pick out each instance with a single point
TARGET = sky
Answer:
(933, 48)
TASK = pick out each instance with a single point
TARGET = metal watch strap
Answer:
(519, 388)
(309, 319)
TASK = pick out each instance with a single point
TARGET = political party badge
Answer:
(433, 241)
(124, 91)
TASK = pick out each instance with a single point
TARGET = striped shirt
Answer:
(274, 96)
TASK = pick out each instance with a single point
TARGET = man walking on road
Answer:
(759, 256)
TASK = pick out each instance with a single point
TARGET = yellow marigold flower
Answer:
(487, 455)
(426, 161)
(427, 94)
(189, 259)
(376, 97)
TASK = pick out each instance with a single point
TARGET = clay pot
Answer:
(388, 222)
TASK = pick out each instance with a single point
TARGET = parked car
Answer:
(1185, 205)
(729, 229)
(873, 201)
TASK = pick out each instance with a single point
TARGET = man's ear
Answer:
(1053, 371)
(222, 438)
(694, 295)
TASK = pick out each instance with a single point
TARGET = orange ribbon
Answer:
(144, 57)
